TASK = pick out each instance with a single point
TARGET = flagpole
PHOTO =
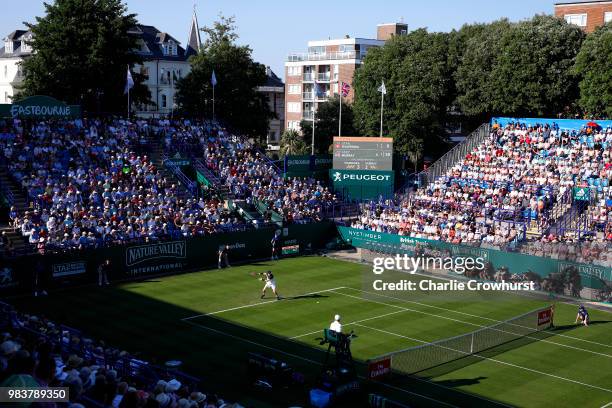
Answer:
(340, 118)
(128, 103)
(314, 116)
(382, 104)
(213, 116)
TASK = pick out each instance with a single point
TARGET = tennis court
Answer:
(217, 316)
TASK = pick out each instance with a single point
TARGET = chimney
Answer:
(268, 71)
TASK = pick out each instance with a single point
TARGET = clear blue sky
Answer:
(275, 28)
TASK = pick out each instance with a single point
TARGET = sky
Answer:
(274, 29)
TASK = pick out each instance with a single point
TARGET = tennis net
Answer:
(424, 357)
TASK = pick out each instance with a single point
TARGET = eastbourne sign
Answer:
(39, 107)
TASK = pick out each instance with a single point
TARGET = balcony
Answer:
(325, 56)
(323, 77)
(308, 115)
(307, 96)
(323, 96)
(308, 77)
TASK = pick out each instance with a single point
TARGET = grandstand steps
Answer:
(12, 192)
(156, 154)
(246, 211)
(18, 242)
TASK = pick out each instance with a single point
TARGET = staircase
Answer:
(221, 189)
(247, 211)
(18, 242)
(441, 166)
(157, 157)
(14, 195)
(574, 222)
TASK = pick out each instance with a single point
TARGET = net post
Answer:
(472, 344)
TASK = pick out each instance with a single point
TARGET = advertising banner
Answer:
(363, 184)
(593, 276)
(379, 368)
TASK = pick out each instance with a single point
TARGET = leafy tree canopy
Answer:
(237, 101)
(415, 70)
(521, 69)
(326, 127)
(82, 49)
(594, 68)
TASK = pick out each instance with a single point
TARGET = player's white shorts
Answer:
(270, 284)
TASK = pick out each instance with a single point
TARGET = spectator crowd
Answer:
(509, 183)
(38, 353)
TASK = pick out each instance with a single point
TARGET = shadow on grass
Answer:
(216, 350)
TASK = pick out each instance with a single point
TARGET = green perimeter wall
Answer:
(139, 261)
(516, 263)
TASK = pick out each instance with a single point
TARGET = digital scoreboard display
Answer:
(363, 153)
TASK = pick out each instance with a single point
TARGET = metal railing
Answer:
(296, 57)
(441, 166)
(323, 76)
(308, 76)
(308, 115)
(189, 184)
(307, 95)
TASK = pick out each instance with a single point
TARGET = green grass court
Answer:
(211, 319)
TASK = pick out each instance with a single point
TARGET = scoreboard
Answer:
(363, 153)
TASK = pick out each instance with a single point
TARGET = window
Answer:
(294, 107)
(607, 16)
(316, 50)
(8, 47)
(577, 19)
(335, 89)
(164, 101)
(293, 124)
(294, 89)
(294, 71)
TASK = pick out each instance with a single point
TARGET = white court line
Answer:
(475, 324)
(276, 350)
(256, 304)
(609, 404)
(468, 314)
(499, 361)
(347, 324)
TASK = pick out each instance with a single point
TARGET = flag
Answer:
(318, 92)
(213, 79)
(345, 89)
(129, 84)
(382, 89)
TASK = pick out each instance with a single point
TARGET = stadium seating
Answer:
(39, 353)
(506, 193)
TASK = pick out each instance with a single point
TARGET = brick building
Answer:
(587, 14)
(326, 64)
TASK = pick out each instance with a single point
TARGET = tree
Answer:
(237, 102)
(593, 68)
(415, 70)
(414, 151)
(292, 143)
(326, 126)
(521, 69)
(82, 49)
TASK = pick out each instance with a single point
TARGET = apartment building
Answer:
(315, 76)
(587, 14)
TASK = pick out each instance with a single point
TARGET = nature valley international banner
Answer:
(515, 263)
(39, 107)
